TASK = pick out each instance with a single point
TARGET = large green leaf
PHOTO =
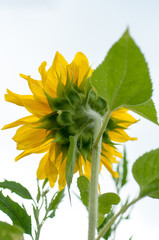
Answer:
(10, 232)
(71, 160)
(16, 188)
(122, 79)
(16, 213)
(146, 173)
(146, 110)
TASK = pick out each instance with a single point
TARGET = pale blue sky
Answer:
(31, 32)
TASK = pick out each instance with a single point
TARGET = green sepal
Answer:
(16, 188)
(16, 213)
(58, 103)
(122, 79)
(146, 173)
(113, 125)
(64, 118)
(60, 89)
(10, 232)
(49, 122)
(72, 96)
(62, 135)
(71, 160)
(85, 145)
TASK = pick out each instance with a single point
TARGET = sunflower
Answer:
(61, 106)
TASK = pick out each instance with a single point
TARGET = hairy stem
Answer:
(93, 194)
(104, 230)
(100, 133)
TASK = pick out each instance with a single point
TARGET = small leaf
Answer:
(124, 169)
(56, 200)
(16, 188)
(52, 215)
(146, 110)
(10, 232)
(146, 173)
(83, 186)
(122, 79)
(16, 213)
(106, 200)
(71, 160)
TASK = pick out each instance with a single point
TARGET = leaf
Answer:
(106, 200)
(83, 186)
(16, 213)
(10, 232)
(146, 173)
(71, 160)
(16, 188)
(146, 110)
(122, 79)
(56, 200)
(124, 169)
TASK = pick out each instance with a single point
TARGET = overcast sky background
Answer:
(31, 32)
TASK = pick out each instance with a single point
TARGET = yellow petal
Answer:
(62, 175)
(24, 120)
(43, 72)
(41, 174)
(36, 88)
(124, 119)
(28, 137)
(81, 61)
(35, 107)
(51, 172)
(41, 149)
(119, 135)
(108, 165)
(16, 98)
(112, 150)
(58, 68)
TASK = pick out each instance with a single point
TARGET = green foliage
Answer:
(122, 169)
(16, 188)
(105, 201)
(83, 186)
(146, 173)
(10, 232)
(122, 79)
(146, 110)
(120, 182)
(56, 200)
(16, 213)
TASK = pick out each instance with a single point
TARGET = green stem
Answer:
(93, 194)
(98, 137)
(112, 220)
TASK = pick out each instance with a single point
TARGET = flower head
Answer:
(60, 107)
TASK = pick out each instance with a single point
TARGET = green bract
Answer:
(72, 120)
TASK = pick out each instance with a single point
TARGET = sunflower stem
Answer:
(99, 135)
(104, 230)
(93, 194)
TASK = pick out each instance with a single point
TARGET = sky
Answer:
(32, 32)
